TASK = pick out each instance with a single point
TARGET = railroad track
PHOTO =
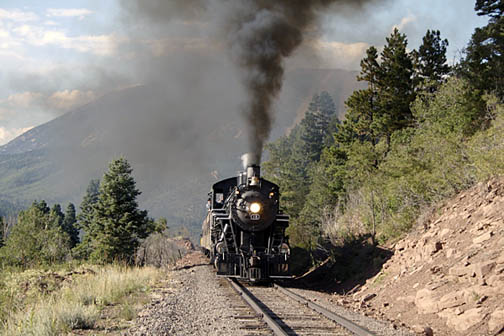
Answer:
(279, 311)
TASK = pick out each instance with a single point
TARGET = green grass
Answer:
(40, 302)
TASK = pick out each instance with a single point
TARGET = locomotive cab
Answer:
(244, 231)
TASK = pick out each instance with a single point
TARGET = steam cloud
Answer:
(260, 35)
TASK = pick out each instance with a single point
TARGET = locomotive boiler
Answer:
(244, 230)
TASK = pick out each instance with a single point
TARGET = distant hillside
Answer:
(177, 149)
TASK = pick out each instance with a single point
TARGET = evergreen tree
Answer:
(383, 108)
(395, 84)
(118, 225)
(36, 238)
(1, 232)
(430, 61)
(58, 214)
(42, 206)
(293, 157)
(483, 64)
(85, 218)
(315, 126)
(68, 225)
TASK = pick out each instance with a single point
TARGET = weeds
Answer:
(49, 303)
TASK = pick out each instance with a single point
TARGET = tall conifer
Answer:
(118, 225)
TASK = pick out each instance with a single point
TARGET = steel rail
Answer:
(349, 325)
(251, 302)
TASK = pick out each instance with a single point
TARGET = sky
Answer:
(58, 55)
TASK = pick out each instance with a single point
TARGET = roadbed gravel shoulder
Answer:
(193, 301)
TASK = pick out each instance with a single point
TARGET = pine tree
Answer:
(483, 64)
(1, 232)
(375, 113)
(315, 126)
(58, 215)
(429, 62)
(118, 225)
(36, 238)
(395, 84)
(68, 225)
(85, 219)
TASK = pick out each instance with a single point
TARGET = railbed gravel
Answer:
(380, 328)
(195, 302)
(195, 305)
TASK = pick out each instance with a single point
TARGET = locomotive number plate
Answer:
(255, 217)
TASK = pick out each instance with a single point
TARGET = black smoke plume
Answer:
(260, 35)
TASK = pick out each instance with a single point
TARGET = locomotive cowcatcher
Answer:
(244, 230)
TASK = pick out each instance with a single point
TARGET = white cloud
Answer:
(334, 54)
(404, 22)
(81, 13)
(24, 99)
(3, 113)
(67, 99)
(7, 134)
(17, 15)
(96, 44)
(40, 36)
(51, 23)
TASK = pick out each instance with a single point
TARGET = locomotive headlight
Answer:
(255, 207)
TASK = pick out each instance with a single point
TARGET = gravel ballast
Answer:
(194, 301)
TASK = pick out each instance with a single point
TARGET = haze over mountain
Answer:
(177, 148)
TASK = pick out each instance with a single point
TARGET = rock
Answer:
(466, 320)
(496, 280)
(369, 297)
(500, 260)
(483, 269)
(496, 321)
(484, 237)
(432, 248)
(407, 299)
(459, 270)
(482, 299)
(428, 331)
(417, 329)
(444, 232)
(425, 301)
(400, 246)
(451, 300)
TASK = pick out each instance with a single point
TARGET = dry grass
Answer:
(75, 300)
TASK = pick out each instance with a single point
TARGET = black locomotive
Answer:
(244, 231)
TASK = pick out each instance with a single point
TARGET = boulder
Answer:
(496, 321)
(484, 237)
(482, 269)
(500, 259)
(466, 320)
(459, 270)
(451, 300)
(425, 301)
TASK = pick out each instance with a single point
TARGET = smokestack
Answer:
(252, 171)
(249, 159)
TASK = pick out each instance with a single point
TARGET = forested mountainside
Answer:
(176, 152)
(419, 132)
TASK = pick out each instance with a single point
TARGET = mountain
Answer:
(178, 143)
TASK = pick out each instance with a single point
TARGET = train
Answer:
(244, 230)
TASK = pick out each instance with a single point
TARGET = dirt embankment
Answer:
(449, 275)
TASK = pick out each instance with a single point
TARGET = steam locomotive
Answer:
(244, 230)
